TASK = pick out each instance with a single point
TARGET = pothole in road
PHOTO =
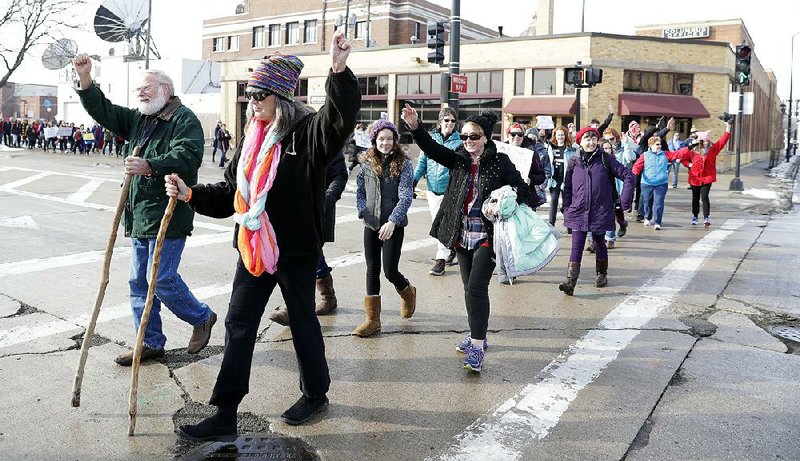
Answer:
(252, 446)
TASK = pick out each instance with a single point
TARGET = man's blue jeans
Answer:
(170, 289)
(654, 209)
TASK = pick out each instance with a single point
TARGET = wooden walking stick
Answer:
(151, 291)
(101, 290)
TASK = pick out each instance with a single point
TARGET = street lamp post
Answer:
(791, 82)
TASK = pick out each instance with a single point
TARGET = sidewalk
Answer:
(737, 394)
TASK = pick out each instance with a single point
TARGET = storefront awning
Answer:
(670, 105)
(541, 106)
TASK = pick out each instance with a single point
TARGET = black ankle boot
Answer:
(221, 427)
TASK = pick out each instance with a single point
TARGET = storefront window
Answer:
(470, 107)
(657, 82)
(519, 82)
(428, 110)
(544, 81)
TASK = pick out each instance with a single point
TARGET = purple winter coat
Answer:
(588, 202)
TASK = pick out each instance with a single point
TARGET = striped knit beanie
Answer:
(277, 74)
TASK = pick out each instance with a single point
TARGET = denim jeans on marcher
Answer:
(170, 289)
(653, 198)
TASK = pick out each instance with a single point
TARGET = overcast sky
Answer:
(177, 25)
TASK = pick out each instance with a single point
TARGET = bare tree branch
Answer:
(28, 23)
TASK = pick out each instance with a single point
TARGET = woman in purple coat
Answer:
(589, 203)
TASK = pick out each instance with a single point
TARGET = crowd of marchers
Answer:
(487, 201)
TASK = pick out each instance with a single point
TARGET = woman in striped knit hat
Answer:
(275, 188)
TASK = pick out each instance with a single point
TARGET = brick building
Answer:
(260, 27)
(35, 102)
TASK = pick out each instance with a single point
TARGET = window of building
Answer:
(428, 110)
(233, 43)
(371, 111)
(569, 88)
(301, 90)
(258, 37)
(544, 81)
(218, 45)
(519, 82)
(683, 83)
(423, 84)
(657, 82)
(292, 33)
(470, 107)
(274, 35)
(361, 29)
(489, 82)
(310, 31)
(649, 82)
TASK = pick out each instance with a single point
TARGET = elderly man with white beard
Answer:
(169, 139)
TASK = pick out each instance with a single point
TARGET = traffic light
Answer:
(574, 76)
(436, 42)
(583, 77)
(743, 56)
(593, 76)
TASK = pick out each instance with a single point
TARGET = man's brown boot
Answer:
(281, 317)
(327, 296)
(201, 335)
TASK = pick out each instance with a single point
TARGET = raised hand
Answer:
(671, 124)
(410, 116)
(83, 67)
(610, 109)
(82, 64)
(340, 50)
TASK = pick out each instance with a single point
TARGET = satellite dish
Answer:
(59, 54)
(121, 20)
(126, 21)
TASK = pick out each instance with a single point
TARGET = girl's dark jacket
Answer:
(297, 198)
(494, 171)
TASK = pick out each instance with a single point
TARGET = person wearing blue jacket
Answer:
(653, 166)
(437, 177)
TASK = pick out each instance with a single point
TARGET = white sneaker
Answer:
(646, 222)
(657, 227)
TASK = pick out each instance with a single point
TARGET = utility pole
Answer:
(578, 105)
(736, 182)
(455, 52)
(149, 31)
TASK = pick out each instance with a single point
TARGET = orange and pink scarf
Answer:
(255, 173)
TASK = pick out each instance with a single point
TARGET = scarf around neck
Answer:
(255, 173)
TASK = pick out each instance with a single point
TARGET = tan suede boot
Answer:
(327, 296)
(408, 303)
(372, 325)
(573, 271)
(602, 272)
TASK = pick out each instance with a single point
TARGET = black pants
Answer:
(699, 192)
(390, 251)
(248, 300)
(476, 268)
(555, 193)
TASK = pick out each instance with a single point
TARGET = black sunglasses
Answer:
(258, 95)
(471, 137)
(448, 120)
(516, 133)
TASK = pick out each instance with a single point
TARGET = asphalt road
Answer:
(678, 358)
